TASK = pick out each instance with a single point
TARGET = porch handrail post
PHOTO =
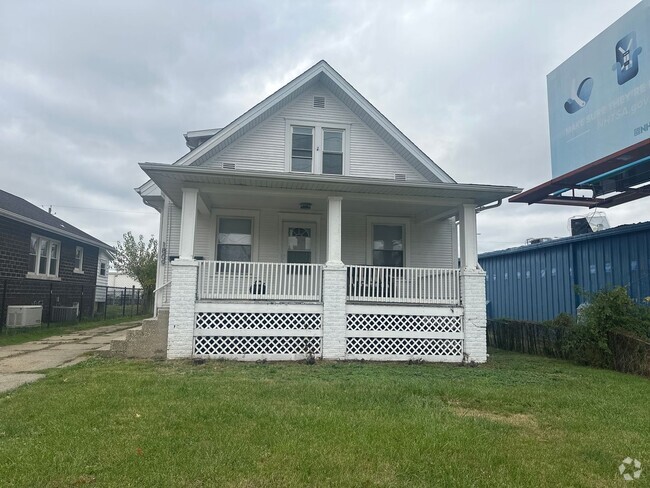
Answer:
(334, 205)
(188, 222)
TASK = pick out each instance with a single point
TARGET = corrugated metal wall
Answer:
(537, 282)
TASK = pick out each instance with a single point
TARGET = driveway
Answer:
(22, 363)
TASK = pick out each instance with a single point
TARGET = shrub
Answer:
(607, 311)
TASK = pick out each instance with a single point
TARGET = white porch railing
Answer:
(230, 280)
(403, 285)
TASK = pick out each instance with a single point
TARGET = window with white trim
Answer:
(388, 245)
(302, 149)
(318, 148)
(79, 259)
(102, 268)
(332, 152)
(44, 256)
(234, 239)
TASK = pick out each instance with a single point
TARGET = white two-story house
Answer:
(311, 225)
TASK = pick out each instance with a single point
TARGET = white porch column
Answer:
(188, 222)
(334, 286)
(468, 245)
(472, 289)
(334, 205)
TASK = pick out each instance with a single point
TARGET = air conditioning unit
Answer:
(24, 315)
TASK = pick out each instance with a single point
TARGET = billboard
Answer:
(599, 99)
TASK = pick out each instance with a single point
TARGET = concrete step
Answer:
(146, 341)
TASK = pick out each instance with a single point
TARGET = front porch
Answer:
(285, 274)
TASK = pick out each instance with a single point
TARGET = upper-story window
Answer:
(302, 149)
(102, 268)
(332, 152)
(43, 257)
(317, 147)
(79, 259)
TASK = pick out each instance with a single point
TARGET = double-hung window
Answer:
(79, 259)
(332, 152)
(302, 149)
(234, 239)
(388, 245)
(44, 256)
(319, 148)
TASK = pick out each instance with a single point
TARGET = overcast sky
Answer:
(90, 89)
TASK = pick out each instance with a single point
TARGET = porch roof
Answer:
(171, 179)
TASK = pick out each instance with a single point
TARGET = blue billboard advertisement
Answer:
(599, 99)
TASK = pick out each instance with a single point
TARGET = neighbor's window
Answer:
(234, 239)
(388, 245)
(79, 259)
(102, 268)
(302, 149)
(43, 256)
(332, 152)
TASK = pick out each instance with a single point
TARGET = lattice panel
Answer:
(404, 323)
(223, 346)
(258, 321)
(402, 346)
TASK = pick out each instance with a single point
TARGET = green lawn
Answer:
(518, 421)
(10, 337)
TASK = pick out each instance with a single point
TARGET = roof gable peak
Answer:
(319, 72)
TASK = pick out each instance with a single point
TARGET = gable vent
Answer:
(400, 177)
(228, 166)
(319, 102)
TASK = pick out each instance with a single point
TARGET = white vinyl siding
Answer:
(430, 244)
(263, 148)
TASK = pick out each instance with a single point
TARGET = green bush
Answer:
(607, 311)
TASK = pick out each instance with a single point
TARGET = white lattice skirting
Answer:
(399, 346)
(258, 335)
(257, 346)
(406, 323)
(257, 321)
(427, 333)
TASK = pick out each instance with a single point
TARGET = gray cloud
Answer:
(89, 89)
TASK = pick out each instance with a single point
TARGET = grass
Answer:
(518, 421)
(9, 337)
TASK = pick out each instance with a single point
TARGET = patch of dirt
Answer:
(515, 419)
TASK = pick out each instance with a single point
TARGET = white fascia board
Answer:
(258, 109)
(200, 133)
(54, 230)
(148, 189)
(482, 194)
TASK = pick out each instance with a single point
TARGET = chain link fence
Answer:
(33, 303)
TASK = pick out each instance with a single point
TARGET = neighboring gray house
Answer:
(312, 225)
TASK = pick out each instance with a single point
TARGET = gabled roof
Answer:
(19, 209)
(323, 73)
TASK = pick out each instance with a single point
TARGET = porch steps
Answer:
(149, 341)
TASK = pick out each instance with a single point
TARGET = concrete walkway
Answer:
(19, 364)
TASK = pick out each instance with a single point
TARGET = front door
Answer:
(299, 242)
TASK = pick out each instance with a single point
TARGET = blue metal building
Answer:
(537, 282)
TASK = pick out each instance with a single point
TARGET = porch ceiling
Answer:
(259, 186)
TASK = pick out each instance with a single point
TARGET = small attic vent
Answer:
(400, 177)
(319, 102)
(228, 166)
